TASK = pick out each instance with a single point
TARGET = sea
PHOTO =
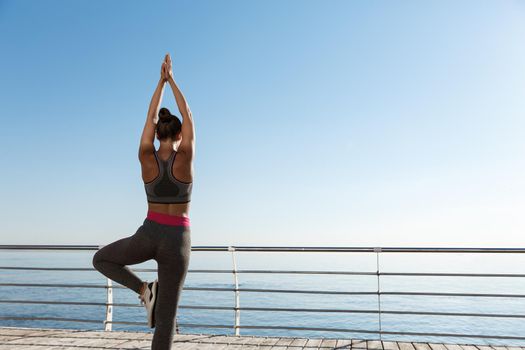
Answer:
(508, 318)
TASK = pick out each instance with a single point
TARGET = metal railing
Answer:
(380, 332)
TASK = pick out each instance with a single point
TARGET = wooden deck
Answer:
(60, 339)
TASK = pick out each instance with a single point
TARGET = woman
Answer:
(165, 234)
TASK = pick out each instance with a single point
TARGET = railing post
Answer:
(109, 306)
(237, 312)
(377, 250)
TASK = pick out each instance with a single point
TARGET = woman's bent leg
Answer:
(111, 259)
(173, 256)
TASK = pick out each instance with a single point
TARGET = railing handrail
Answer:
(289, 248)
(295, 291)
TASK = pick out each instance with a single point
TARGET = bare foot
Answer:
(142, 290)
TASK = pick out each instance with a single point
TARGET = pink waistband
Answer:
(172, 220)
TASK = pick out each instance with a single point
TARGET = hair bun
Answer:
(164, 115)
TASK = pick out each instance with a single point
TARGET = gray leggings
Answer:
(170, 246)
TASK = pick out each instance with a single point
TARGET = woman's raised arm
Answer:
(148, 134)
(187, 144)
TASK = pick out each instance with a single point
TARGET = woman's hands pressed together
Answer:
(163, 72)
(166, 69)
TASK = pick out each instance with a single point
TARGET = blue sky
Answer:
(337, 123)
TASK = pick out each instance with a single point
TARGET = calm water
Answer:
(478, 263)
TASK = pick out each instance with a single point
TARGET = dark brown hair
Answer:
(168, 125)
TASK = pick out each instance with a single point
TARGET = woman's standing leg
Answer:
(111, 260)
(173, 257)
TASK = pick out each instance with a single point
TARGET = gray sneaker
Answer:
(150, 298)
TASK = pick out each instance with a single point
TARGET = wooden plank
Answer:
(268, 343)
(405, 346)
(197, 346)
(313, 343)
(282, 343)
(16, 331)
(344, 343)
(134, 335)
(298, 343)
(390, 345)
(328, 343)
(220, 347)
(243, 347)
(421, 346)
(435, 346)
(235, 339)
(453, 347)
(188, 336)
(136, 344)
(30, 347)
(61, 342)
(468, 347)
(245, 342)
(257, 341)
(117, 343)
(93, 342)
(6, 338)
(210, 339)
(92, 334)
(181, 346)
(374, 345)
(358, 344)
(34, 341)
(199, 338)
(269, 340)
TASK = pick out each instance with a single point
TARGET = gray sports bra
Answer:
(165, 188)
